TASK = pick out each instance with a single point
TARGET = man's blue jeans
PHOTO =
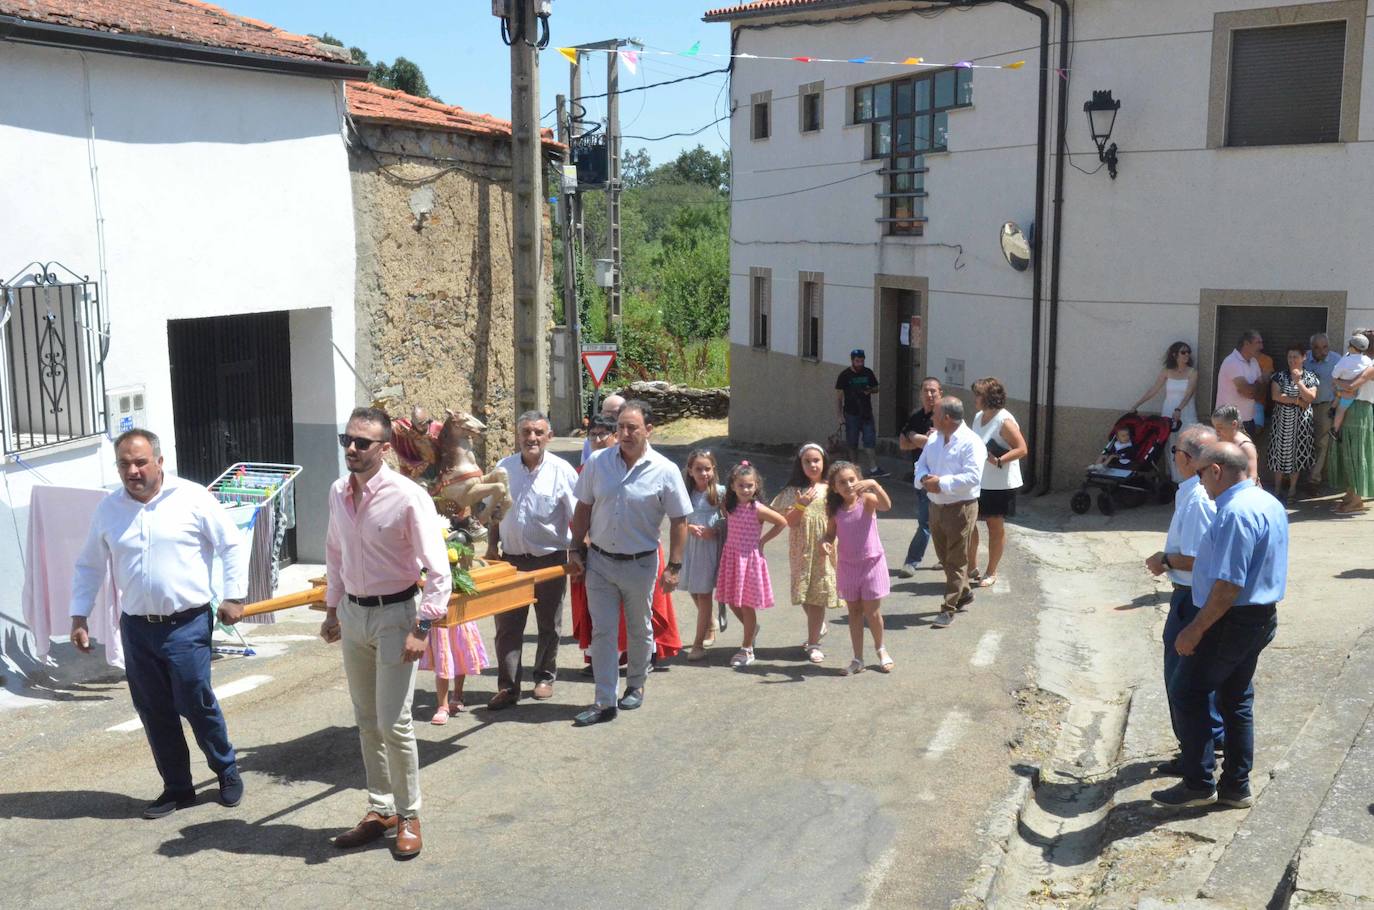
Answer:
(1181, 612)
(168, 668)
(1224, 663)
(916, 550)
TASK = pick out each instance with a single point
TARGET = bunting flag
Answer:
(631, 58)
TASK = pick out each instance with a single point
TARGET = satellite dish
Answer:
(1015, 246)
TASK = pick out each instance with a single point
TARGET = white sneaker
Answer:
(743, 658)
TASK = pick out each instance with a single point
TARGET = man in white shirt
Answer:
(609, 408)
(623, 495)
(950, 470)
(161, 535)
(1193, 514)
(1239, 381)
(533, 534)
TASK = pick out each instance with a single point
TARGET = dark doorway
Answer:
(1279, 326)
(900, 356)
(231, 395)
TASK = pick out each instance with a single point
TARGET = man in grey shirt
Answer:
(623, 494)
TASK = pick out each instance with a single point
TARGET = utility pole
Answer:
(613, 167)
(566, 203)
(527, 209)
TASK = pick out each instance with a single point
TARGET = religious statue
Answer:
(415, 442)
(461, 485)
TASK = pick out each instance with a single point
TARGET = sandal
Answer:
(743, 658)
(813, 653)
(697, 653)
(440, 716)
(855, 666)
(974, 575)
(986, 581)
(885, 662)
(455, 707)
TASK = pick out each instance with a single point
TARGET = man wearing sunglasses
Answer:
(1193, 514)
(383, 532)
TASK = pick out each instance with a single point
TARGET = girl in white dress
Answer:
(1178, 380)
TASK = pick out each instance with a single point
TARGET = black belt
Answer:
(172, 618)
(1179, 587)
(623, 557)
(382, 600)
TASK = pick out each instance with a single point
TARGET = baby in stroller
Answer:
(1121, 452)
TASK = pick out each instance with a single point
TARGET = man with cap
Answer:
(854, 389)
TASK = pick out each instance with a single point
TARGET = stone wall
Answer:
(676, 402)
(435, 306)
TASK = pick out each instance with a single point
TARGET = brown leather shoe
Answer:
(408, 841)
(373, 826)
(543, 690)
(505, 698)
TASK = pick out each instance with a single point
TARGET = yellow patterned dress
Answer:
(813, 573)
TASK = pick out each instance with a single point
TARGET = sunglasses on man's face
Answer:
(361, 443)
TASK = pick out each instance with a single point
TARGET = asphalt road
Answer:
(785, 785)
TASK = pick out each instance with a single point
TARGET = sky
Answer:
(457, 43)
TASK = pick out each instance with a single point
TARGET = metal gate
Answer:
(231, 394)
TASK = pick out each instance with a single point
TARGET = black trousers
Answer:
(548, 616)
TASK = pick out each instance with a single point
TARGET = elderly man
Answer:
(383, 533)
(854, 390)
(1241, 381)
(609, 408)
(950, 471)
(912, 439)
(1321, 360)
(533, 534)
(1239, 576)
(1193, 514)
(623, 494)
(161, 535)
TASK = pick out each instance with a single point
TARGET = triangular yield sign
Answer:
(598, 364)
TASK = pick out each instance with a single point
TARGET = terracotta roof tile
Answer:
(383, 105)
(187, 21)
(761, 6)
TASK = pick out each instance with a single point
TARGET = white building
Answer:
(1241, 200)
(190, 165)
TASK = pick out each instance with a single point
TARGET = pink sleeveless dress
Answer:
(861, 573)
(743, 579)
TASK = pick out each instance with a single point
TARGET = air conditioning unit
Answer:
(125, 409)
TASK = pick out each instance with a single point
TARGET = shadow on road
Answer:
(234, 835)
(70, 804)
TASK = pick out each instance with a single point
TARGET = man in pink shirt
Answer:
(1240, 381)
(383, 531)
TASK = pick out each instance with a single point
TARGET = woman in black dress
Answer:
(1292, 391)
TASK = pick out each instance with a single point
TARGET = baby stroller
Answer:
(1138, 472)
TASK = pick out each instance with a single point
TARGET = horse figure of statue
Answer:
(461, 484)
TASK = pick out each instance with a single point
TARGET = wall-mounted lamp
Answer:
(1101, 113)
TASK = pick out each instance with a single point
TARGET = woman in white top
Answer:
(1001, 474)
(1178, 380)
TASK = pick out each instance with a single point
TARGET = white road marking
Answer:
(1001, 586)
(986, 652)
(228, 690)
(949, 733)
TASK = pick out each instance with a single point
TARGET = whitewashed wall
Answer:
(223, 192)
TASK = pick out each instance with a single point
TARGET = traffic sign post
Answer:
(598, 359)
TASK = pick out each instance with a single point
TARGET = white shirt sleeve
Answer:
(90, 570)
(229, 543)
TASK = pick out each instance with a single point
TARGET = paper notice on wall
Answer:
(905, 334)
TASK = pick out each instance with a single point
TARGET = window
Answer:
(907, 118)
(1286, 75)
(52, 351)
(760, 120)
(811, 284)
(811, 105)
(760, 307)
(1286, 84)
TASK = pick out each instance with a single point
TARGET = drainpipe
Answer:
(1056, 244)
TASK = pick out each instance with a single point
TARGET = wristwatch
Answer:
(422, 626)
(1164, 558)
(674, 567)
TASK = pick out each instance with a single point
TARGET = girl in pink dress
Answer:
(742, 583)
(452, 652)
(861, 575)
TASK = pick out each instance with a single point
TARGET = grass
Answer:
(701, 364)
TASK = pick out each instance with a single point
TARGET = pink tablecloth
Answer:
(59, 518)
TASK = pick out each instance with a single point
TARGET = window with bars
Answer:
(811, 304)
(907, 118)
(760, 115)
(1285, 84)
(811, 106)
(760, 307)
(52, 386)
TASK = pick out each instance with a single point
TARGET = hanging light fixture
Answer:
(1101, 111)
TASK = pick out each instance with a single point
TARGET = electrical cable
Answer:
(640, 88)
(700, 129)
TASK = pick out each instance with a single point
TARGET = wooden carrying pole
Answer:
(499, 588)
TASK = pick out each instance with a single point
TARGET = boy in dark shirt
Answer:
(854, 389)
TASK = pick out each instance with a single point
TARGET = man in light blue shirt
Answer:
(1321, 360)
(1193, 514)
(1239, 576)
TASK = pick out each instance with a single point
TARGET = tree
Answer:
(694, 273)
(702, 167)
(634, 169)
(403, 75)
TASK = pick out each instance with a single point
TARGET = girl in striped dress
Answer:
(453, 652)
